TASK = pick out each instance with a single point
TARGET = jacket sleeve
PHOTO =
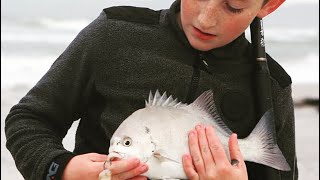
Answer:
(285, 128)
(35, 127)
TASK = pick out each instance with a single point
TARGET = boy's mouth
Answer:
(202, 35)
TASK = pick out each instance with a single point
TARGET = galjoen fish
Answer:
(158, 136)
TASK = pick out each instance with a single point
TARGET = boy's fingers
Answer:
(235, 153)
(204, 148)
(138, 178)
(216, 148)
(188, 167)
(95, 157)
(99, 166)
(195, 151)
(120, 166)
(133, 173)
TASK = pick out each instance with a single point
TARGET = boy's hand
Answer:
(85, 166)
(208, 160)
(124, 169)
(88, 166)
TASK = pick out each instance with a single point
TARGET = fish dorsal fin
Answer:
(150, 99)
(168, 101)
(206, 104)
(162, 100)
(157, 98)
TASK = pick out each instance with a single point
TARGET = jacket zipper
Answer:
(196, 78)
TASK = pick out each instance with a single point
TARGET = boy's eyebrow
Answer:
(241, 1)
(244, 1)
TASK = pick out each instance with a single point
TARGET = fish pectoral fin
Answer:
(162, 158)
(159, 156)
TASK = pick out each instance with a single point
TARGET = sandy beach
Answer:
(33, 35)
(307, 132)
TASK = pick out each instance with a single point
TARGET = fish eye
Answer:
(127, 142)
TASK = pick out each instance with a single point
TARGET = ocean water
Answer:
(35, 32)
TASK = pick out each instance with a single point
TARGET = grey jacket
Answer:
(106, 73)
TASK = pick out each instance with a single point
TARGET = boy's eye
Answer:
(233, 10)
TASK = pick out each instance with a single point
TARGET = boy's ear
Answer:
(269, 7)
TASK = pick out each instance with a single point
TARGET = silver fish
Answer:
(158, 136)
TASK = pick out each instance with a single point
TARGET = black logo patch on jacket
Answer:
(53, 169)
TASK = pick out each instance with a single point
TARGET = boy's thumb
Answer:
(95, 157)
(234, 149)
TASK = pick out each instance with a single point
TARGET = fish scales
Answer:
(158, 136)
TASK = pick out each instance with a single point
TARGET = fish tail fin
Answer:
(265, 151)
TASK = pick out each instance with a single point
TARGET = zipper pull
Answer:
(203, 60)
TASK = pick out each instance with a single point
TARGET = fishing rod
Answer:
(262, 75)
(262, 83)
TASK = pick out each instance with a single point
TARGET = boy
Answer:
(109, 69)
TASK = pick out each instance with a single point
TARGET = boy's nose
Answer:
(208, 16)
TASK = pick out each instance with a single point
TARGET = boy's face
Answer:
(210, 24)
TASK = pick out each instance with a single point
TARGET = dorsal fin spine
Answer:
(205, 102)
(163, 100)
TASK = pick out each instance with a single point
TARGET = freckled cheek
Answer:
(189, 13)
(234, 29)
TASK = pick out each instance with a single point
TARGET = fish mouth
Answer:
(114, 155)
